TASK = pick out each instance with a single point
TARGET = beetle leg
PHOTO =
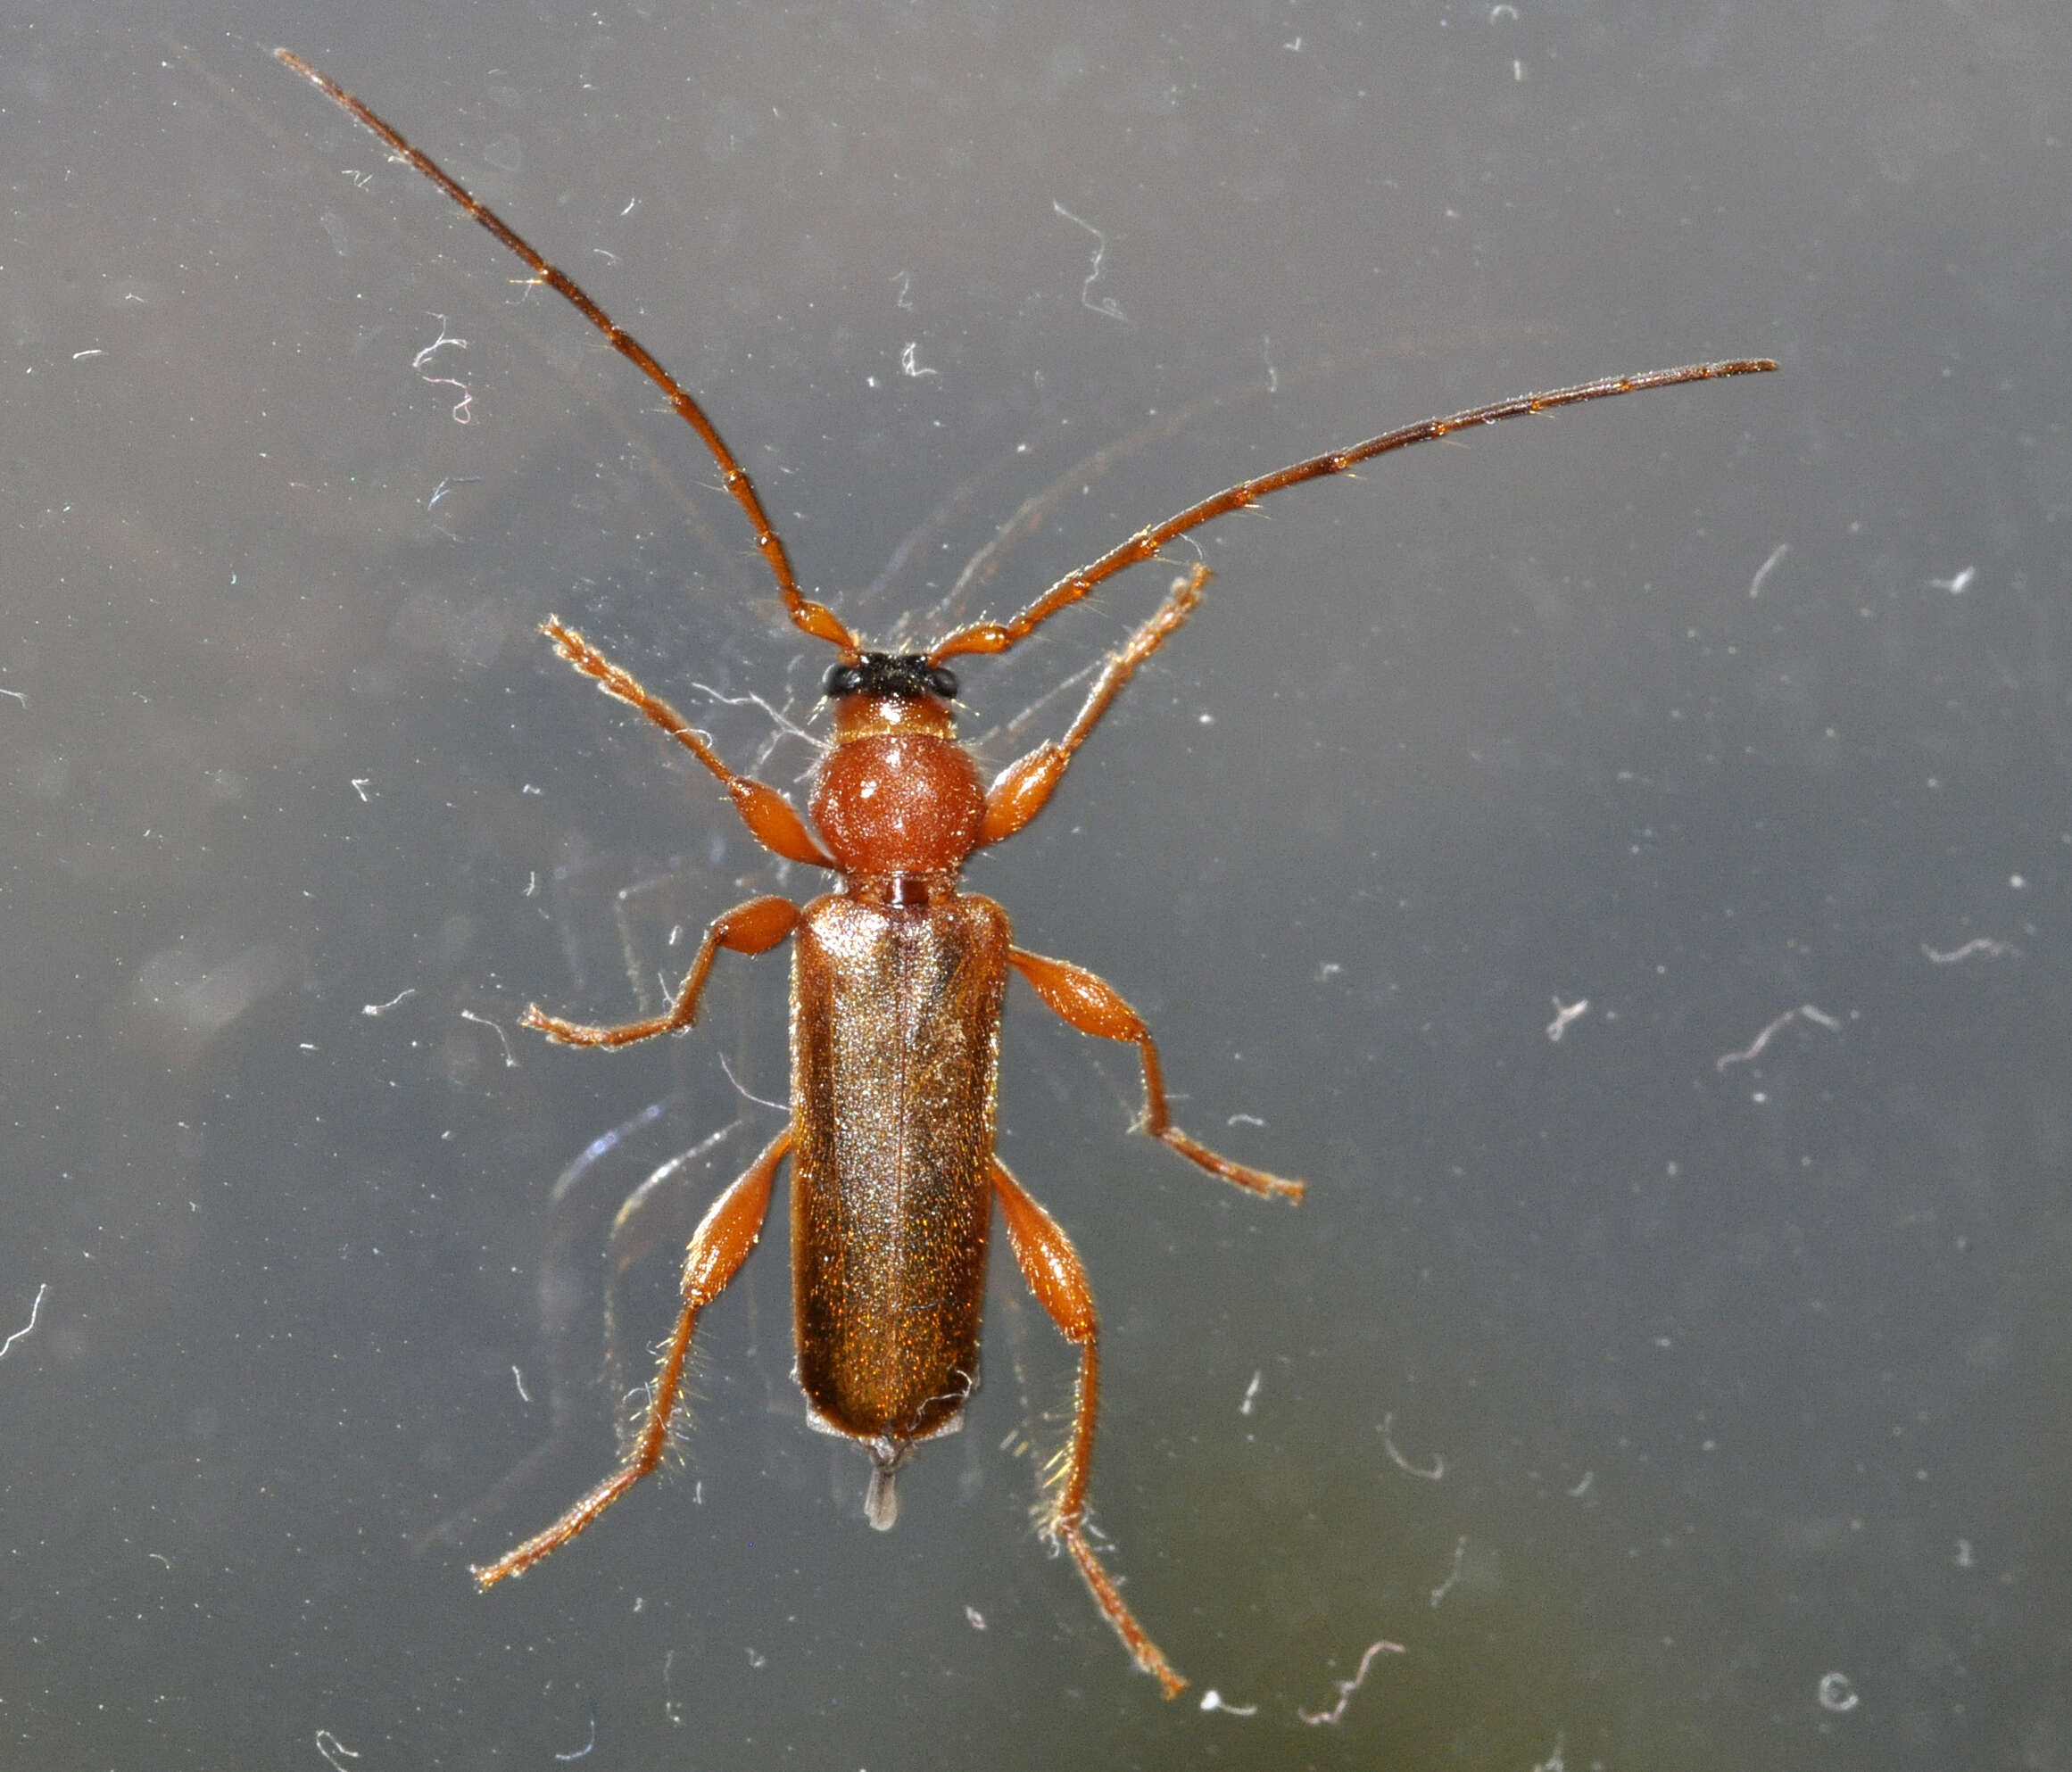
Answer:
(773, 821)
(753, 927)
(723, 1241)
(1095, 1006)
(646, 1218)
(572, 1209)
(1051, 1265)
(1020, 789)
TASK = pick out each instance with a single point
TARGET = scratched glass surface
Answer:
(1620, 861)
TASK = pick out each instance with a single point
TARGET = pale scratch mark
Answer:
(1251, 1395)
(670, 1708)
(663, 1173)
(1009, 730)
(910, 363)
(1756, 1046)
(1244, 1119)
(1748, 1052)
(975, 1619)
(628, 209)
(603, 253)
(331, 1747)
(903, 299)
(34, 1310)
(95, 352)
(360, 785)
(1565, 1013)
(1452, 1574)
(1266, 353)
(510, 1063)
(742, 1091)
(383, 1008)
(1346, 1688)
(791, 728)
(581, 1752)
(1553, 1762)
(1958, 584)
(444, 339)
(518, 1379)
(1107, 304)
(1766, 567)
(447, 486)
(15, 695)
(464, 407)
(1431, 1474)
(1984, 945)
(1582, 1486)
(1213, 1699)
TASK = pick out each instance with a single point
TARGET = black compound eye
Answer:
(904, 676)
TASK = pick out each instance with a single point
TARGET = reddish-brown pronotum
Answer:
(898, 978)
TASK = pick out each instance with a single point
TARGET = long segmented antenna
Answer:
(998, 636)
(814, 618)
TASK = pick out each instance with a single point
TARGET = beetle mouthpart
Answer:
(882, 1500)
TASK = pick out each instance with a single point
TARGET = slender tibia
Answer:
(1051, 1265)
(773, 821)
(1020, 789)
(1095, 1006)
(753, 927)
(721, 1244)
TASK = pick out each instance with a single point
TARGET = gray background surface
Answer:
(1741, 1378)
